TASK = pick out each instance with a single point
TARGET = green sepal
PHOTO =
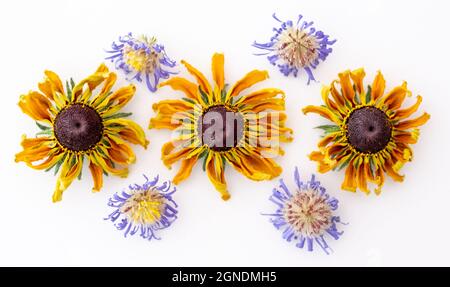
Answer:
(204, 95)
(368, 94)
(328, 129)
(191, 101)
(42, 127)
(69, 91)
(204, 156)
(117, 116)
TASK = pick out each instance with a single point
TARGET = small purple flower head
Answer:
(144, 209)
(141, 58)
(305, 215)
(293, 48)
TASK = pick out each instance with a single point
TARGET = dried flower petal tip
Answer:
(142, 58)
(144, 209)
(296, 48)
(305, 215)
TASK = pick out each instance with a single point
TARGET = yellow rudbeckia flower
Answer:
(80, 122)
(370, 134)
(220, 125)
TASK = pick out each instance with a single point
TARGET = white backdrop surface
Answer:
(407, 225)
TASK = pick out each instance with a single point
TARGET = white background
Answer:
(407, 225)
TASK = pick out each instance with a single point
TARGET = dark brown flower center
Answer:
(220, 128)
(78, 127)
(368, 130)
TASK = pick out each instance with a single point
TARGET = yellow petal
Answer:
(247, 81)
(70, 170)
(338, 99)
(258, 96)
(100, 75)
(358, 79)
(214, 170)
(218, 70)
(264, 105)
(324, 112)
(117, 100)
(109, 83)
(128, 130)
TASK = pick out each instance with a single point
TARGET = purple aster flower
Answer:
(144, 209)
(305, 215)
(298, 47)
(142, 58)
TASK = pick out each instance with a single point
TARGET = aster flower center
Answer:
(78, 127)
(144, 207)
(297, 47)
(142, 59)
(368, 130)
(220, 128)
(308, 213)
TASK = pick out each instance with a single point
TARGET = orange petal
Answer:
(407, 137)
(253, 165)
(247, 81)
(322, 166)
(358, 78)
(185, 169)
(34, 149)
(121, 153)
(394, 99)
(97, 176)
(392, 173)
(413, 123)
(174, 151)
(347, 87)
(36, 106)
(181, 84)
(405, 113)
(350, 178)
(378, 86)
(201, 80)
(362, 177)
